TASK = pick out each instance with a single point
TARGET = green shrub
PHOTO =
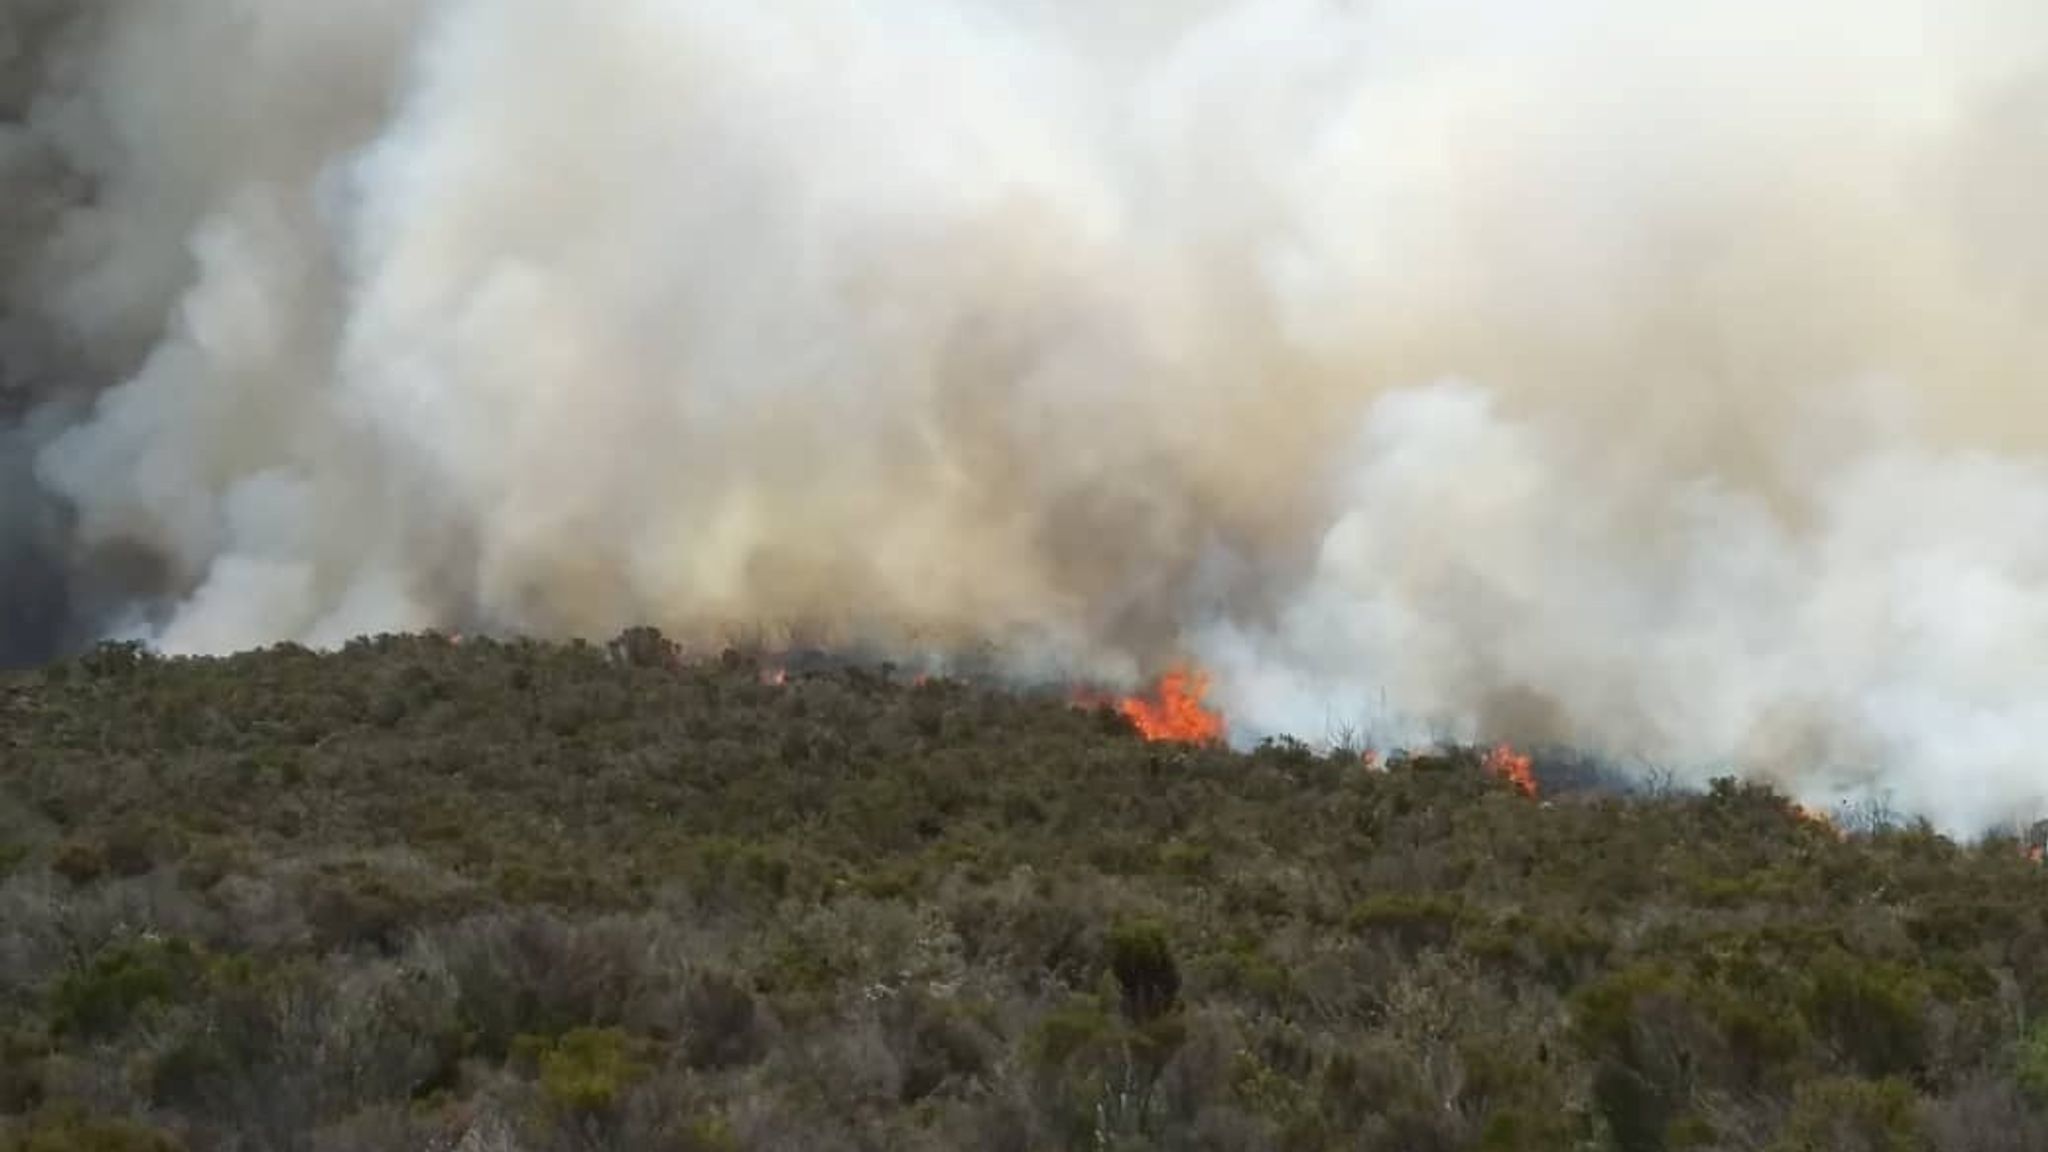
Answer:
(1853, 1116)
(588, 1071)
(1072, 1029)
(1634, 1026)
(1414, 922)
(1531, 1128)
(122, 982)
(2031, 1062)
(21, 1081)
(68, 1128)
(1145, 970)
(1876, 1014)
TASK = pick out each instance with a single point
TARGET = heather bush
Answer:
(517, 897)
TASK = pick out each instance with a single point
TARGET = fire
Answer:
(1173, 711)
(775, 677)
(1819, 819)
(1516, 768)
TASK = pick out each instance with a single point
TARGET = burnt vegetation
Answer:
(498, 896)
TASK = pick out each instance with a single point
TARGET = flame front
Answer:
(1174, 710)
(1819, 819)
(1517, 768)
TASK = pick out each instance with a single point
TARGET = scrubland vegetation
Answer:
(495, 897)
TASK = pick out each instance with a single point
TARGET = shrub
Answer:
(842, 912)
(1875, 1014)
(123, 981)
(79, 860)
(21, 1082)
(937, 1044)
(589, 1070)
(1070, 1030)
(67, 1128)
(1415, 922)
(1143, 963)
(131, 849)
(1853, 1116)
(2031, 1062)
(725, 1026)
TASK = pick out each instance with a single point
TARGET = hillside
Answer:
(418, 894)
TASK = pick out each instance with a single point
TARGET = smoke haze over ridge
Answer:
(1656, 379)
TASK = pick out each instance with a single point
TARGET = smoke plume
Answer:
(1654, 377)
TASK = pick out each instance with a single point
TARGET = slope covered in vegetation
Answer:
(505, 896)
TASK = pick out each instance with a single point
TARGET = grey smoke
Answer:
(1653, 377)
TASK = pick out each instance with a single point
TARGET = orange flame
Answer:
(1516, 768)
(775, 677)
(1174, 710)
(1819, 819)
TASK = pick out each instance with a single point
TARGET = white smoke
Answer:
(1655, 377)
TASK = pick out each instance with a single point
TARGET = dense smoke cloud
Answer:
(1655, 377)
